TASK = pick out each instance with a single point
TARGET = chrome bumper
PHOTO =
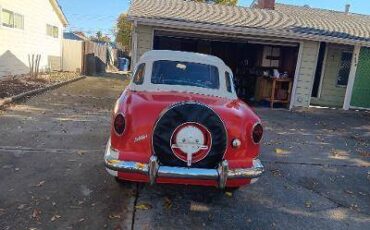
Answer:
(154, 170)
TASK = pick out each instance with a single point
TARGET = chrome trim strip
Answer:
(127, 166)
(254, 172)
(187, 173)
(154, 170)
(223, 170)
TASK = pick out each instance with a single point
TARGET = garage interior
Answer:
(263, 70)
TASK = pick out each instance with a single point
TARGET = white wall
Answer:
(144, 42)
(16, 44)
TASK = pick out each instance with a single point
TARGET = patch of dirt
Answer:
(12, 87)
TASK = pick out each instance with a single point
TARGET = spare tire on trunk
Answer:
(190, 134)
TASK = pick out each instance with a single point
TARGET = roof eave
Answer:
(242, 30)
(59, 12)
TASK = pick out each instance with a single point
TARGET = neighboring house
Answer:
(30, 27)
(78, 36)
(324, 52)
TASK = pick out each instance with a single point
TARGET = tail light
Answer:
(119, 124)
(257, 133)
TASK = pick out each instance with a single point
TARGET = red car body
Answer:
(142, 109)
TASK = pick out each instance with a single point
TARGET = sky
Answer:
(91, 16)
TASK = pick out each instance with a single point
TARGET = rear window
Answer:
(185, 73)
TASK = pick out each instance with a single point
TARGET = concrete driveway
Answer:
(52, 174)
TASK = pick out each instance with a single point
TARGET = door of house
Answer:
(335, 76)
(361, 87)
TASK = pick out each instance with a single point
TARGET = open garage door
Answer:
(254, 62)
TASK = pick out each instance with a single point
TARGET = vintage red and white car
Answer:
(180, 121)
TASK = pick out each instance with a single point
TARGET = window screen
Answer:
(139, 74)
(185, 73)
(344, 69)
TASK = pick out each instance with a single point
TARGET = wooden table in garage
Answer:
(272, 89)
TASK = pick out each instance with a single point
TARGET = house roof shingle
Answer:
(285, 19)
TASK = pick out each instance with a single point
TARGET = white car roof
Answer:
(154, 55)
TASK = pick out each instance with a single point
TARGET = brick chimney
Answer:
(264, 4)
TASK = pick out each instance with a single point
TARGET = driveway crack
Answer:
(134, 208)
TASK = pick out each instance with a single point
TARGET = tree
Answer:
(124, 31)
(225, 2)
(99, 35)
(105, 38)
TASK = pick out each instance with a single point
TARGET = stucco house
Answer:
(30, 27)
(324, 53)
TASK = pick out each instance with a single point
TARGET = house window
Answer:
(12, 20)
(18, 21)
(139, 74)
(52, 31)
(344, 68)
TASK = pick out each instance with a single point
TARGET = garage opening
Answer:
(263, 70)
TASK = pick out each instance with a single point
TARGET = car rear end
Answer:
(193, 135)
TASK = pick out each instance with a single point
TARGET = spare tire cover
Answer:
(192, 113)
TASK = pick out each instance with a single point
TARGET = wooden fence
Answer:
(95, 57)
(73, 55)
(87, 57)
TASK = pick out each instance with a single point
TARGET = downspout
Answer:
(61, 49)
